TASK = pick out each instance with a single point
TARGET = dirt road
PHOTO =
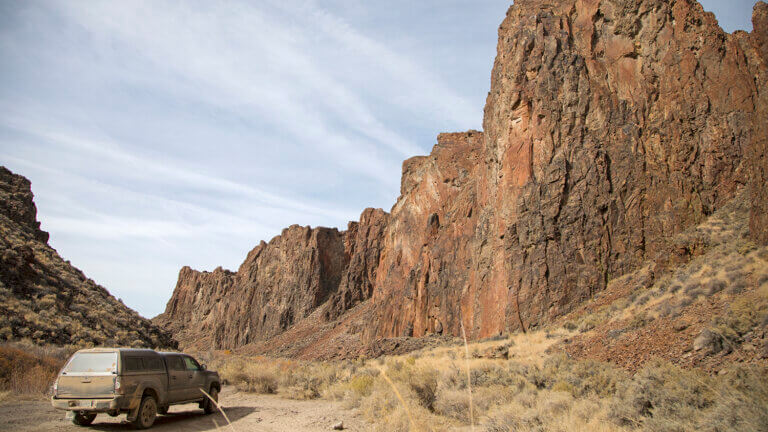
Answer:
(248, 412)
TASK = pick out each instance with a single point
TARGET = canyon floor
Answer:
(247, 411)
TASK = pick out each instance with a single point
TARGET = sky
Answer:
(159, 134)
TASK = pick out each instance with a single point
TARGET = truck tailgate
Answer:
(86, 386)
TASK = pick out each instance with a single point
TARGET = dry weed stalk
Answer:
(469, 377)
(399, 397)
(220, 410)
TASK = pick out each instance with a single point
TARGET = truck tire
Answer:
(83, 419)
(147, 413)
(209, 406)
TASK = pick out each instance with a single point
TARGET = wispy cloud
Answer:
(161, 133)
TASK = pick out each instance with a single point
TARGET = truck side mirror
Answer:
(203, 367)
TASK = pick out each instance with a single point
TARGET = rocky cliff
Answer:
(44, 298)
(610, 126)
(278, 284)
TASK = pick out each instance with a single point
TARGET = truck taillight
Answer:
(56, 387)
(117, 385)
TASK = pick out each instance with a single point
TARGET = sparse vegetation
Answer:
(28, 370)
(744, 315)
(536, 389)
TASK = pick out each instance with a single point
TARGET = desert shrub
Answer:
(579, 378)
(643, 299)
(666, 309)
(248, 376)
(28, 369)
(662, 397)
(361, 385)
(714, 286)
(685, 302)
(737, 287)
(590, 321)
(256, 382)
(744, 314)
(307, 380)
(353, 390)
(741, 402)
(543, 411)
(454, 404)
(423, 383)
(638, 320)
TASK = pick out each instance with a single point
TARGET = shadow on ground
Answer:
(188, 420)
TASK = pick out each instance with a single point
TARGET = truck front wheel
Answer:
(84, 419)
(147, 412)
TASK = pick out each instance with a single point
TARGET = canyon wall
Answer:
(610, 126)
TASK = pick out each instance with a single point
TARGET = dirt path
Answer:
(248, 412)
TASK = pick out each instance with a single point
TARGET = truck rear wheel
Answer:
(84, 419)
(147, 412)
(209, 406)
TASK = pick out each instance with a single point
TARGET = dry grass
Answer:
(744, 315)
(29, 370)
(536, 389)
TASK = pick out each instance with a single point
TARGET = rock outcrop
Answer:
(610, 126)
(278, 284)
(363, 243)
(429, 259)
(44, 298)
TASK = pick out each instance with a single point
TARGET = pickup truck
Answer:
(139, 382)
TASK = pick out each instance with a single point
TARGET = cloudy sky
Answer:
(159, 134)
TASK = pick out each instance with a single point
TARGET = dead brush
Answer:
(28, 370)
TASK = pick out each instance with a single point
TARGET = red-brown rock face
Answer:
(610, 125)
(362, 248)
(428, 256)
(279, 284)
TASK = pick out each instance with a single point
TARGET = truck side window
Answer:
(133, 364)
(154, 364)
(191, 363)
(176, 363)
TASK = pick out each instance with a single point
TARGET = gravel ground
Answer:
(248, 412)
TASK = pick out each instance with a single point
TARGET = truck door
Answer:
(196, 378)
(178, 379)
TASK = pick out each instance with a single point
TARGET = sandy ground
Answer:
(248, 412)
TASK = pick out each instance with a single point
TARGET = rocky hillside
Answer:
(44, 298)
(610, 127)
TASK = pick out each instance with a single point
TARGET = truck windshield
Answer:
(92, 362)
